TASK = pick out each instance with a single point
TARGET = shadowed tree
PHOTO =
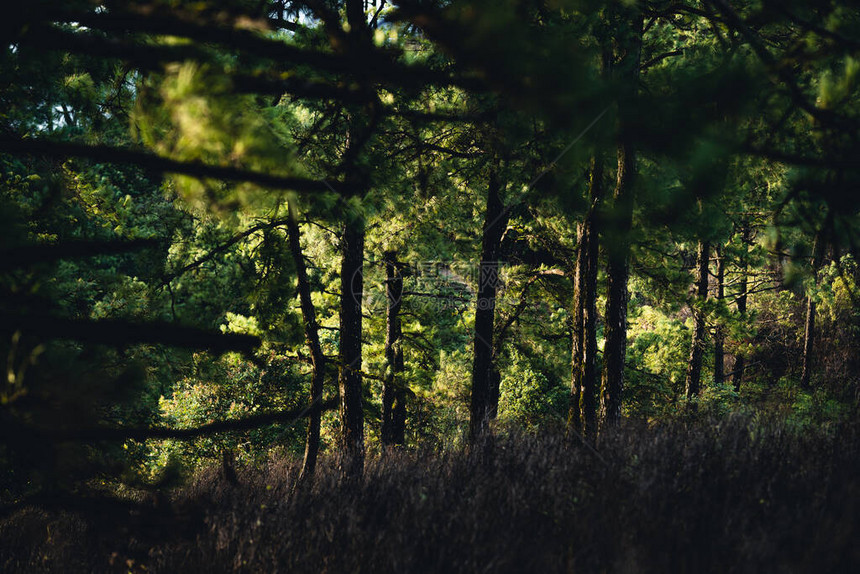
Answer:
(619, 220)
(692, 381)
(740, 358)
(719, 334)
(349, 377)
(818, 249)
(393, 387)
(584, 353)
(483, 369)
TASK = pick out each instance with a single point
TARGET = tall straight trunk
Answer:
(358, 40)
(697, 346)
(393, 391)
(318, 361)
(574, 416)
(615, 329)
(617, 234)
(740, 358)
(584, 355)
(809, 327)
(349, 375)
(588, 391)
(719, 334)
(495, 221)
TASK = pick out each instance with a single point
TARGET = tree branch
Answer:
(222, 248)
(149, 161)
(142, 433)
(26, 255)
(117, 332)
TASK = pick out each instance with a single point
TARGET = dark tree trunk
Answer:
(228, 466)
(398, 415)
(393, 390)
(617, 250)
(809, 328)
(495, 221)
(318, 362)
(349, 376)
(719, 335)
(495, 388)
(359, 31)
(588, 391)
(740, 359)
(574, 416)
(697, 347)
(358, 40)
(584, 356)
(617, 234)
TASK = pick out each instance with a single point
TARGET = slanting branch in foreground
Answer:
(287, 417)
(149, 161)
(118, 333)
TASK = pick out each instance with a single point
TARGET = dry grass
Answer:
(707, 497)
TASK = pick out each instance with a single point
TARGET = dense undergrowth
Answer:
(722, 496)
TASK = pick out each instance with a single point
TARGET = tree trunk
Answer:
(574, 416)
(318, 362)
(495, 379)
(740, 359)
(617, 235)
(618, 251)
(584, 356)
(360, 35)
(588, 391)
(349, 375)
(719, 334)
(351, 277)
(697, 348)
(393, 391)
(398, 415)
(495, 221)
(809, 328)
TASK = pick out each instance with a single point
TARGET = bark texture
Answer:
(740, 359)
(349, 375)
(584, 359)
(697, 347)
(617, 233)
(719, 334)
(393, 389)
(482, 407)
(574, 416)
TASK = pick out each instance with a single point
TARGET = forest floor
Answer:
(722, 496)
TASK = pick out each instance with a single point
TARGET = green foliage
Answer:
(230, 388)
(527, 396)
(659, 347)
(818, 410)
(191, 113)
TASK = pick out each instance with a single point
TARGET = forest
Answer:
(430, 286)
